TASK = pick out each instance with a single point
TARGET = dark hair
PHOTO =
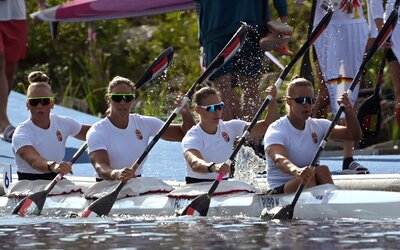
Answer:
(203, 93)
(38, 79)
(297, 82)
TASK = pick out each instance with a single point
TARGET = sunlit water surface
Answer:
(197, 233)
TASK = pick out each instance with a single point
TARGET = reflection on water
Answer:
(198, 233)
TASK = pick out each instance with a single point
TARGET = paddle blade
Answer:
(198, 206)
(286, 213)
(101, 206)
(31, 204)
(53, 30)
(369, 116)
(156, 68)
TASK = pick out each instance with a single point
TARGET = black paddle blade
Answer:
(53, 30)
(156, 68)
(199, 205)
(33, 203)
(286, 213)
(369, 116)
(101, 206)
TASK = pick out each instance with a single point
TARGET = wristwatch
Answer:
(49, 164)
(210, 166)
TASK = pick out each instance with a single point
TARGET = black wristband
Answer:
(210, 166)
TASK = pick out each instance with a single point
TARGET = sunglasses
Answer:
(213, 107)
(119, 97)
(304, 100)
(34, 101)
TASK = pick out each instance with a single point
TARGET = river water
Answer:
(195, 233)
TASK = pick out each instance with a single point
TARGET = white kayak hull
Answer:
(322, 202)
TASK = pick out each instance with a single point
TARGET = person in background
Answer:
(210, 143)
(393, 58)
(39, 142)
(117, 141)
(292, 141)
(13, 41)
(340, 50)
(217, 24)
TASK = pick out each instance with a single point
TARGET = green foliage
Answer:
(81, 68)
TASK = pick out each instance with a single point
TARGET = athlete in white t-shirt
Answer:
(13, 41)
(209, 144)
(292, 142)
(39, 142)
(340, 50)
(116, 142)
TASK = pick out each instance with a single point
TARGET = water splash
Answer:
(248, 165)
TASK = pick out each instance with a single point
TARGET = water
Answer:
(195, 233)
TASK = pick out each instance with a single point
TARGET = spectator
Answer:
(13, 40)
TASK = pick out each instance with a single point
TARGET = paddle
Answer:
(39, 198)
(306, 68)
(369, 113)
(201, 203)
(287, 211)
(154, 70)
(103, 205)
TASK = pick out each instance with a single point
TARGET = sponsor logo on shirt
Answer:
(139, 134)
(314, 137)
(225, 136)
(59, 135)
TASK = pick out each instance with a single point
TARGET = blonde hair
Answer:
(117, 80)
(203, 93)
(38, 79)
(297, 82)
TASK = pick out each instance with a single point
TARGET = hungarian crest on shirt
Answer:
(138, 134)
(225, 136)
(314, 137)
(59, 135)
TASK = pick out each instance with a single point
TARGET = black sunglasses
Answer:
(213, 107)
(304, 100)
(34, 101)
(119, 97)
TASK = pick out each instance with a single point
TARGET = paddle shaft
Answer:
(220, 60)
(314, 35)
(379, 41)
(306, 69)
(60, 175)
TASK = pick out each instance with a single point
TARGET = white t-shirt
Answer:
(339, 15)
(396, 32)
(375, 10)
(301, 145)
(124, 146)
(50, 143)
(12, 10)
(216, 148)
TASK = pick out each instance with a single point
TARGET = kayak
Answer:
(321, 202)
